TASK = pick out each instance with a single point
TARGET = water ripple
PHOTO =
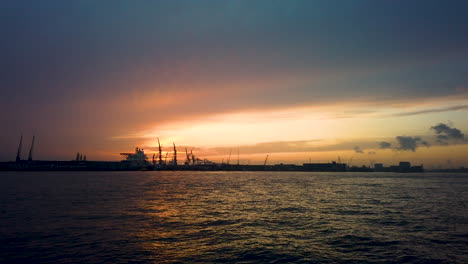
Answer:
(233, 217)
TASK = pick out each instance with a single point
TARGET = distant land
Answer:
(138, 161)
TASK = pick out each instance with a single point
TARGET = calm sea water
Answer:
(233, 217)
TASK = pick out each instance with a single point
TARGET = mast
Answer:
(31, 149)
(18, 154)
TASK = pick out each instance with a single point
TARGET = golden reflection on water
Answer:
(190, 218)
(243, 215)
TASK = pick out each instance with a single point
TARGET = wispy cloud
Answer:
(283, 147)
(150, 65)
(435, 110)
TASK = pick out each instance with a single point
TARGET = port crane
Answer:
(229, 158)
(193, 157)
(188, 157)
(30, 156)
(175, 155)
(160, 154)
(18, 154)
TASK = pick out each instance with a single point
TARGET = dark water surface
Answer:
(233, 217)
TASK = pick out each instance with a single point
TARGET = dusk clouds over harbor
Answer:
(297, 79)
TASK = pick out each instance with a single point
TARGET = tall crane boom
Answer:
(193, 157)
(229, 158)
(160, 153)
(175, 154)
(188, 157)
(18, 153)
(266, 159)
(30, 156)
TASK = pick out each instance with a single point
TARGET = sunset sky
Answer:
(371, 81)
